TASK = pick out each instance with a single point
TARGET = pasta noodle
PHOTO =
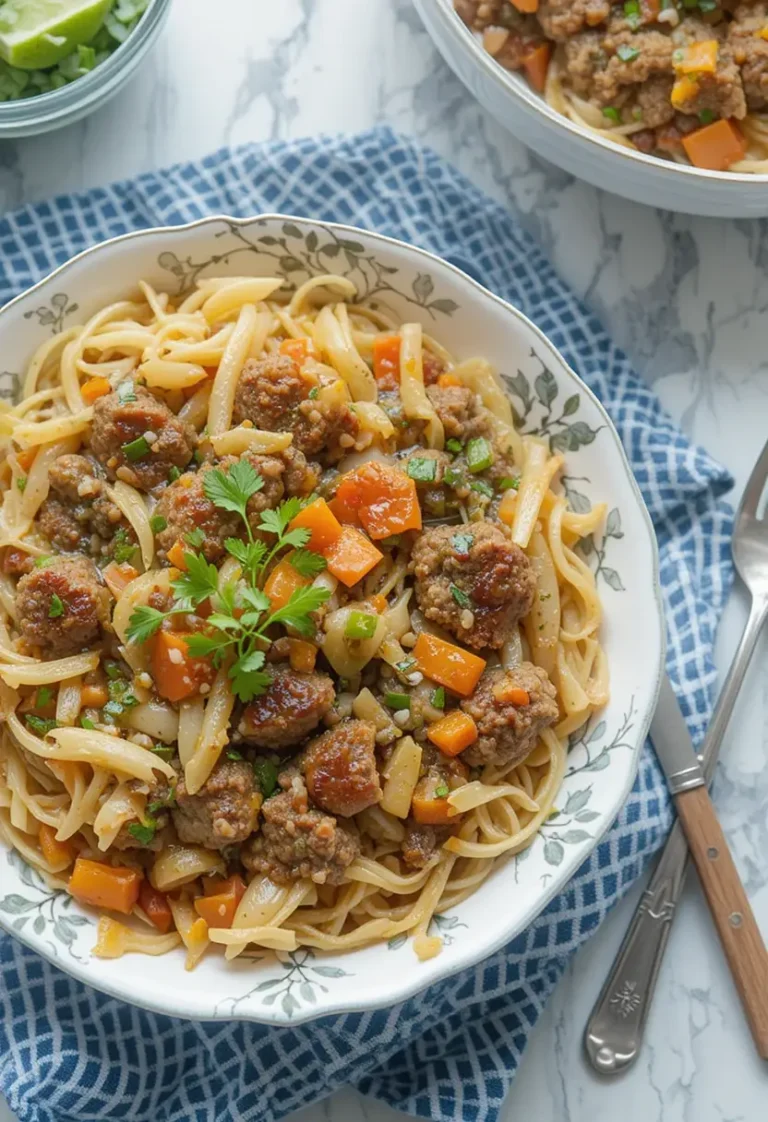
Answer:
(342, 772)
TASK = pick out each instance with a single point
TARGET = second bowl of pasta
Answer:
(324, 580)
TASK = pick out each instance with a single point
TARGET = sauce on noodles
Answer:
(293, 630)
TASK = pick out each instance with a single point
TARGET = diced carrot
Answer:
(105, 886)
(176, 674)
(302, 656)
(386, 362)
(15, 562)
(214, 886)
(343, 512)
(95, 388)
(379, 603)
(446, 380)
(526, 5)
(322, 523)
(156, 907)
(385, 499)
(176, 555)
(450, 666)
(57, 853)
(118, 577)
(429, 808)
(93, 697)
(352, 556)
(26, 458)
(507, 694)
(219, 910)
(716, 146)
(684, 90)
(696, 58)
(297, 349)
(536, 64)
(453, 733)
(282, 582)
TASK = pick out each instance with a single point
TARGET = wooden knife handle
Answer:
(739, 934)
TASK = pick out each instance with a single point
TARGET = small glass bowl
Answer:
(44, 112)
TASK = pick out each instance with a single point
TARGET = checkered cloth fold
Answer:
(68, 1053)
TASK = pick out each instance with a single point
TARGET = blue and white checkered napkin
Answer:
(68, 1053)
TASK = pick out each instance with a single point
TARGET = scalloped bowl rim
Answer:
(477, 951)
(520, 90)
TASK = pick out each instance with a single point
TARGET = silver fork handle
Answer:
(614, 1032)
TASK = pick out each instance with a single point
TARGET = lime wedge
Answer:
(35, 34)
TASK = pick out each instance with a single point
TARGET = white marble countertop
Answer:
(686, 298)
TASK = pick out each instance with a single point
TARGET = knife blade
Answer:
(735, 922)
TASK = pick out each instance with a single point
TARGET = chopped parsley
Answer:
(612, 114)
(482, 488)
(438, 698)
(510, 483)
(173, 474)
(56, 607)
(398, 701)
(454, 446)
(21, 483)
(41, 562)
(422, 469)
(313, 393)
(461, 597)
(233, 754)
(136, 449)
(126, 392)
(143, 832)
(443, 791)
(87, 723)
(627, 53)
(43, 697)
(157, 523)
(195, 538)
(462, 543)
(123, 548)
(266, 776)
(163, 751)
(41, 725)
(706, 117)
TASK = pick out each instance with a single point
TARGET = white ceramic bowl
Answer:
(645, 179)
(469, 320)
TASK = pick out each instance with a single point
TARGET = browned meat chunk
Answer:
(186, 509)
(560, 19)
(340, 768)
(750, 51)
(77, 507)
(422, 844)
(62, 606)
(473, 581)
(509, 732)
(611, 67)
(722, 92)
(297, 841)
(274, 394)
(432, 366)
(291, 708)
(118, 425)
(224, 810)
(460, 411)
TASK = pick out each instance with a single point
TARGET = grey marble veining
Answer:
(686, 296)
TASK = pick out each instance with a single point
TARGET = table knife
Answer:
(739, 934)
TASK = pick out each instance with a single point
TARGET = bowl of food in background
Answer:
(61, 59)
(662, 101)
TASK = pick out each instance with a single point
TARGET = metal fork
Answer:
(614, 1032)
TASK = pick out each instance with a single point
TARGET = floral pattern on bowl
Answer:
(549, 400)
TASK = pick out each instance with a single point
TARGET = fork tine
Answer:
(755, 486)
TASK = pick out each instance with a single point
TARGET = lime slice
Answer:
(35, 34)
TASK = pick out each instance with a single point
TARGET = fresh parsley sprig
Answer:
(237, 628)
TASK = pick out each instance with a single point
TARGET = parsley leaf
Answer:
(257, 599)
(41, 725)
(123, 548)
(198, 582)
(296, 612)
(232, 489)
(307, 563)
(248, 679)
(461, 597)
(143, 624)
(43, 697)
(143, 832)
(275, 521)
(195, 538)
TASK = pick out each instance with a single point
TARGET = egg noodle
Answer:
(72, 780)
